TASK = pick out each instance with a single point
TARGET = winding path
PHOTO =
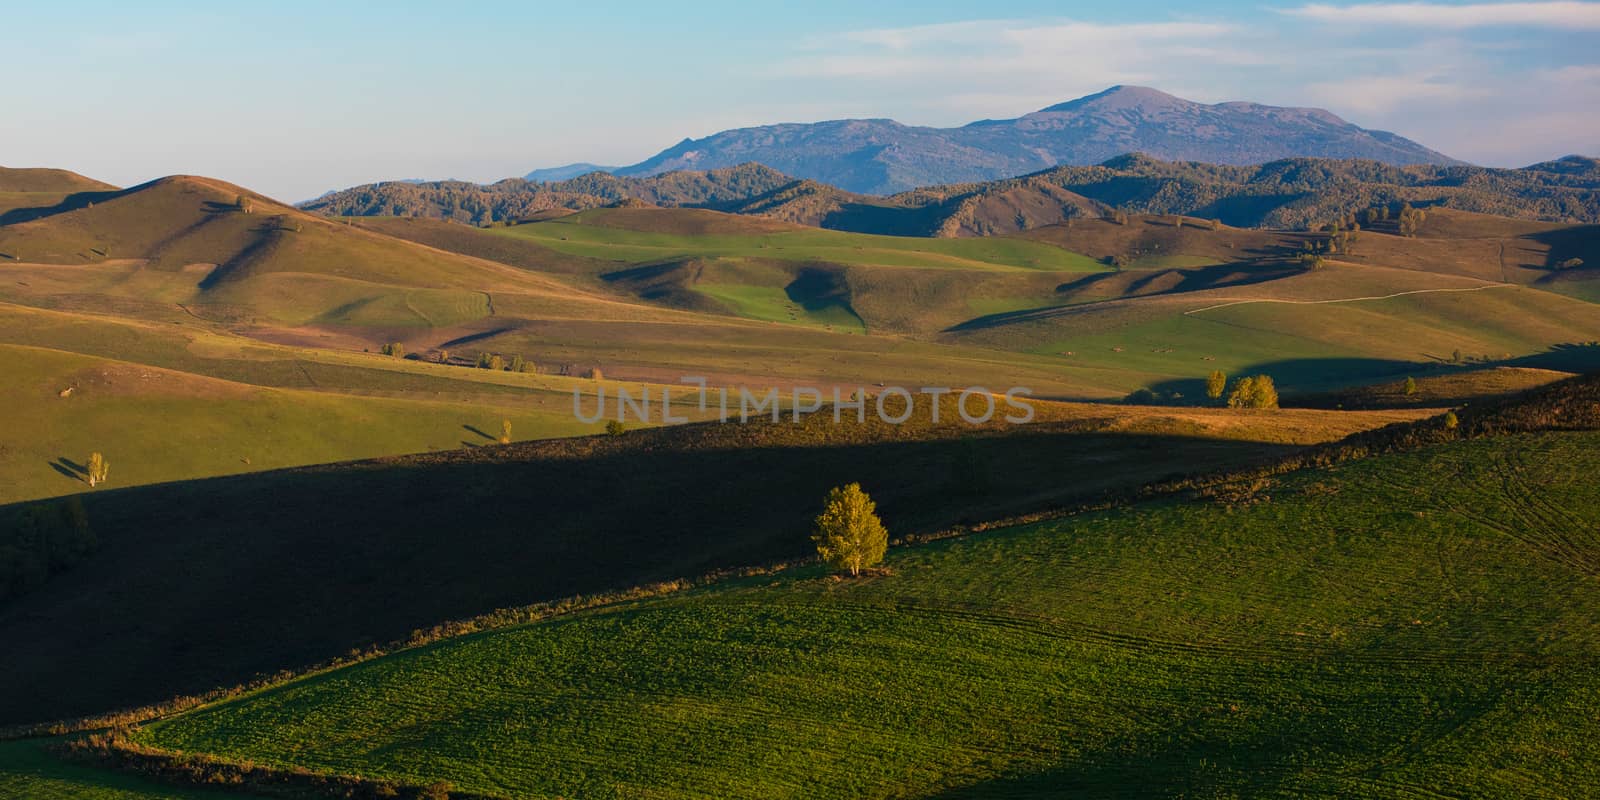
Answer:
(1351, 299)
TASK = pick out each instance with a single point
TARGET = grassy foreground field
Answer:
(28, 772)
(1414, 624)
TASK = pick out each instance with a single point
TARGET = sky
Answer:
(293, 99)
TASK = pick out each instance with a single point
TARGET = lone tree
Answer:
(1216, 384)
(505, 431)
(848, 533)
(97, 469)
(1411, 386)
(615, 428)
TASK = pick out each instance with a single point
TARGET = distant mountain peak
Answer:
(881, 156)
(1120, 96)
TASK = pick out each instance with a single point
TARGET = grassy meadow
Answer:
(1413, 623)
(157, 425)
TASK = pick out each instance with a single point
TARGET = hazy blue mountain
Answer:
(881, 156)
(568, 172)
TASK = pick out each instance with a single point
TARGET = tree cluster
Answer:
(1254, 392)
(1410, 220)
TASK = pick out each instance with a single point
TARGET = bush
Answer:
(848, 533)
(615, 428)
(395, 349)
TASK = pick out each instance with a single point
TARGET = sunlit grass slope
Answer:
(158, 425)
(1415, 624)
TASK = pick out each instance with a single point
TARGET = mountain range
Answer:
(881, 156)
(1291, 193)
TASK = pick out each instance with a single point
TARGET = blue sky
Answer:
(292, 99)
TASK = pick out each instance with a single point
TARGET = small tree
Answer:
(1411, 386)
(596, 374)
(395, 349)
(517, 364)
(1216, 384)
(615, 428)
(1216, 224)
(505, 431)
(1266, 392)
(1451, 421)
(1244, 389)
(98, 467)
(848, 533)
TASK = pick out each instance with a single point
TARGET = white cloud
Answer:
(1383, 94)
(987, 66)
(1566, 14)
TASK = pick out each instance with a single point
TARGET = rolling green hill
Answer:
(206, 567)
(1415, 621)
(158, 425)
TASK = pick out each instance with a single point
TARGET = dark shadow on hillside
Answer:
(1123, 285)
(476, 337)
(474, 429)
(816, 288)
(1324, 375)
(1573, 357)
(71, 202)
(1580, 242)
(207, 583)
(668, 283)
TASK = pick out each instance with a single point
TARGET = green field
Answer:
(587, 234)
(1413, 624)
(157, 425)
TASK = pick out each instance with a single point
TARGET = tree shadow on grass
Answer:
(71, 469)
